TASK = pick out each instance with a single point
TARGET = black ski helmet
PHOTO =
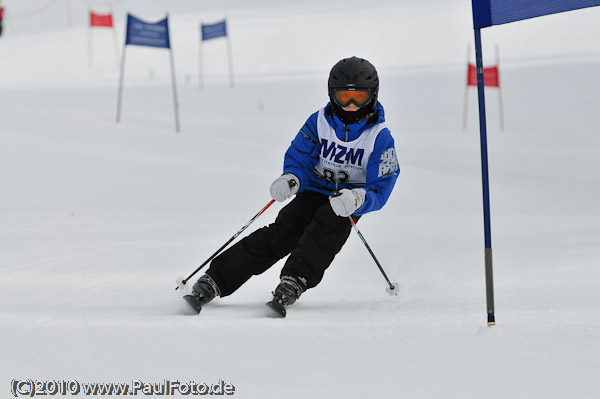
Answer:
(353, 73)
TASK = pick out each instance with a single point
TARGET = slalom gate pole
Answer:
(355, 227)
(90, 39)
(174, 84)
(489, 275)
(230, 56)
(115, 40)
(500, 105)
(120, 96)
(200, 62)
(466, 95)
(227, 243)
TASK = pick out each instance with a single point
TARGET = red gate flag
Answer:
(102, 20)
(490, 76)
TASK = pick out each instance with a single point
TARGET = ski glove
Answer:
(284, 187)
(348, 201)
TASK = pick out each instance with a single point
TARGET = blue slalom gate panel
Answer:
(496, 12)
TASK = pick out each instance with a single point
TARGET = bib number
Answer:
(332, 176)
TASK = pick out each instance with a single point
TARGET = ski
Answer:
(278, 309)
(194, 303)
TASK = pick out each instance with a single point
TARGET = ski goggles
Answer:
(343, 97)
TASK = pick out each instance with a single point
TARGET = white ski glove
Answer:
(284, 187)
(348, 202)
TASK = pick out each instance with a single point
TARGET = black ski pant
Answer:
(307, 229)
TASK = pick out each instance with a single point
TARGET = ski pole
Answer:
(182, 282)
(393, 289)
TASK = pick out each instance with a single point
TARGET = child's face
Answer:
(351, 107)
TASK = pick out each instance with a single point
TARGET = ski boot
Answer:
(286, 294)
(204, 291)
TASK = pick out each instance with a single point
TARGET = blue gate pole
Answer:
(489, 275)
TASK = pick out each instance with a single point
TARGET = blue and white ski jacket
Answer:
(360, 155)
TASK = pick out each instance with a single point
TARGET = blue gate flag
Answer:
(496, 12)
(213, 31)
(141, 33)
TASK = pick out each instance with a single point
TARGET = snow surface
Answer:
(98, 219)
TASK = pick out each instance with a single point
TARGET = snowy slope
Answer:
(98, 219)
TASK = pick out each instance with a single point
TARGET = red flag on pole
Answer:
(490, 76)
(102, 20)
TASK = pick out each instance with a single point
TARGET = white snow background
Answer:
(98, 219)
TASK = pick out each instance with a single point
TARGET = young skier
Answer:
(345, 145)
